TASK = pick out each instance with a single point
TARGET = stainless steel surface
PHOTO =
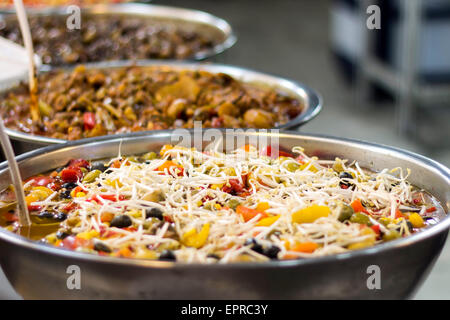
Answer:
(38, 271)
(194, 18)
(311, 100)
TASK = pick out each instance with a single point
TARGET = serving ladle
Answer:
(24, 216)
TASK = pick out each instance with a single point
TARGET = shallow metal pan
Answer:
(202, 21)
(39, 271)
(311, 100)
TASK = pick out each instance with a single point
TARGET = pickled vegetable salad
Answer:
(247, 205)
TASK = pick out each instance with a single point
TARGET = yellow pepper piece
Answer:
(31, 198)
(41, 192)
(165, 148)
(87, 235)
(369, 232)
(262, 206)
(217, 186)
(194, 239)
(135, 213)
(310, 214)
(266, 222)
(142, 253)
(370, 241)
(360, 245)
(80, 194)
(416, 220)
(311, 168)
(114, 183)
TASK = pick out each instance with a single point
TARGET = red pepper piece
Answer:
(89, 120)
(274, 152)
(78, 163)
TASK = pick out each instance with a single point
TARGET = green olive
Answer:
(292, 166)
(232, 203)
(360, 218)
(149, 156)
(44, 108)
(155, 196)
(391, 235)
(345, 213)
(91, 176)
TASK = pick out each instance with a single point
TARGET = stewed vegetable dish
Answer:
(95, 102)
(112, 37)
(248, 205)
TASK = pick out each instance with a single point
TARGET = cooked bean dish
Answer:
(112, 37)
(95, 102)
(207, 207)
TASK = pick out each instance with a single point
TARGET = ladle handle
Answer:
(24, 216)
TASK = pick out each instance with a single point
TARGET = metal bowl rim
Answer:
(178, 13)
(315, 100)
(441, 227)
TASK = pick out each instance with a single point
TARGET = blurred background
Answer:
(389, 85)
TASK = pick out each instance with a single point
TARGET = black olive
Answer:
(100, 246)
(60, 216)
(271, 252)
(65, 194)
(121, 221)
(254, 245)
(167, 255)
(345, 184)
(410, 226)
(45, 214)
(213, 255)
(154, 213)
(99, 166)
(69, 185)
(345, 175)
(62, 235)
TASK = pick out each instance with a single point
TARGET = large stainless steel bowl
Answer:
(196, 20)
(39, 271)
(311, 101)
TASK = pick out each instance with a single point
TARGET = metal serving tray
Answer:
(198, 20)
(39, 271)
(311, 101)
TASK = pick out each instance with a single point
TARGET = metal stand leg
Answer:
(408, 73)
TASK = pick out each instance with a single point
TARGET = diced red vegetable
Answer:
(358, 207)
(376, 228)
(168, 219)
(248, 213)
(71, 174)
(236, 185)
(11, 217)
(78, 163)
(431, 209)
(89, 120)
(110, 197)
(399, 214)
(41, 181)
(274, 152)
(69, 207)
